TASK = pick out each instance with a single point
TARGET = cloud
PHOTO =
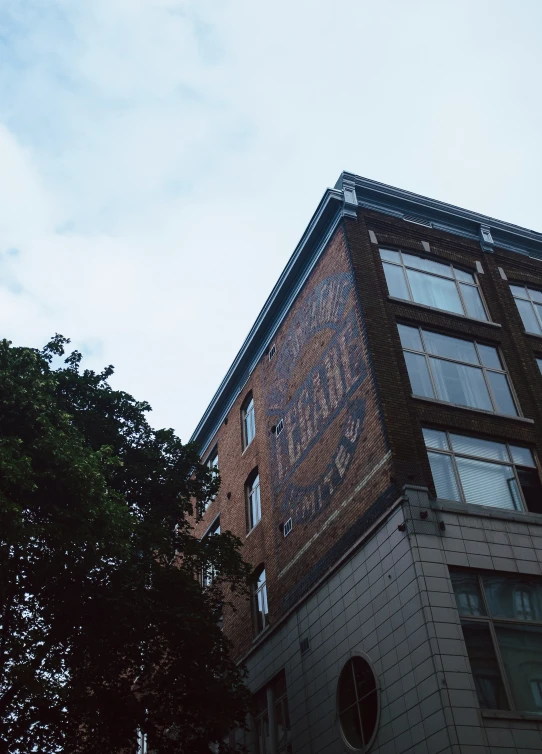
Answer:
(161, 158)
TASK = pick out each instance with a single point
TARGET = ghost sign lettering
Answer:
(327, 393)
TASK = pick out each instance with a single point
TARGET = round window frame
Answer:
(347, 743)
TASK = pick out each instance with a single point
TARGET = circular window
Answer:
(357, 703)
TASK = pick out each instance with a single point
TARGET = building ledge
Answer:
(435, 401)
(485, 511)
(444, 312)
(504, 714)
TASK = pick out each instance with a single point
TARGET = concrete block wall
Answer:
(393, 601)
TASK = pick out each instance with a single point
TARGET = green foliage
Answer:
(104, 628)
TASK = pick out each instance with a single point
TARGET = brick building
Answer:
(379, 439)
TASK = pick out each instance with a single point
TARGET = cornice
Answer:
(350, 193)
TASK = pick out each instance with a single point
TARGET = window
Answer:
(141, 743)
(539, 362)
(249, 424)
(503, 635)
(358, 703)
(253, 503)
(483, 472)
(431, 283)
(529, 304)
(208, 574)
(457, 371)
(212, 464)
(269, 726)
(259, 601)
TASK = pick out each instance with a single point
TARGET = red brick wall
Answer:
(320, 383)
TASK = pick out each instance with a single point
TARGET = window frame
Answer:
(208, 575)
(429, 449)
(365, 658)
(251, 485)
(481, 366)
(267, 697)
(531, 301)
(211, 462)
(248, 416)
(255, 592)
(453, 278)
(491, 621)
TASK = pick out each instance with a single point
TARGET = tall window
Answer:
(273, 697)
(529, 303)
(431, 283)
(259, 601)
(483, 472)
(457, 371)
(502, 626)
(539, 362)
(253, 503)
(249, 423)
(212, 464)
(208, 574)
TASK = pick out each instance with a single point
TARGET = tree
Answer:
(104, 628)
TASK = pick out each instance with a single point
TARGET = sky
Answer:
(160, 159)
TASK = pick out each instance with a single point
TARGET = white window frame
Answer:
(253, 501)
(484, 369)
(511, 463)
(458, 282)
(533, 303)
(248, 420)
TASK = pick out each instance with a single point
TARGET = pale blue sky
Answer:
(161, 158)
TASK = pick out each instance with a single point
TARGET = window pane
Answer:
(489, 356)
(488, 484)
(283, 722)
(473, 302)
(350, 723)
(462, 275)
(435, 292)
(521, 651)
(535, 295)
(501, 393)
(363, 677)
(473, 446)
(395, 278)
(419, 375)
(531, 487)
(427, 265)
(410, 337)
(484, 666)
(460, 384)
(392, 256)
(467, 593)
(529, 318)
(347, 691)
(522, 456)
(538, 309)
(513, 597)
(444, 476)
(368, 709)
(435, 439)
(452, 348)
(519, 290)
(539, 362)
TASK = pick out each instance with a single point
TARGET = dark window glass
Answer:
(484, 666)
(528, 301)
(502, 626)
(357, 701)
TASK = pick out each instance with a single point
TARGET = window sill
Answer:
(247, 447)
(247, 535)
(443, 311)
(468, 408)
(486, 511)
(505, 714)
(533, 334)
